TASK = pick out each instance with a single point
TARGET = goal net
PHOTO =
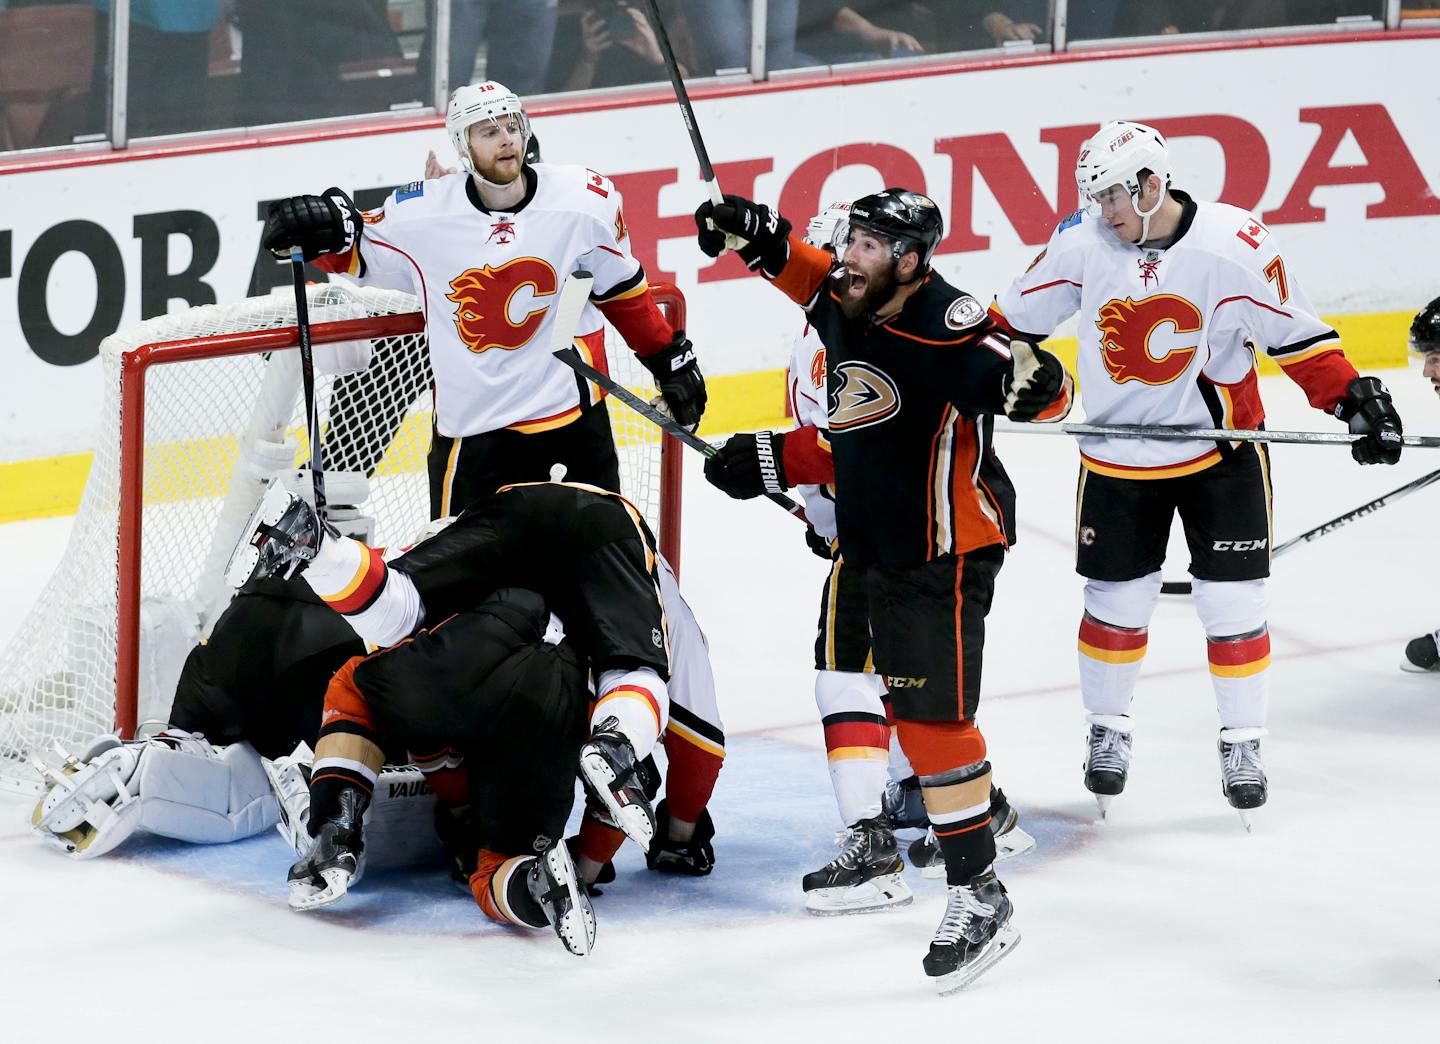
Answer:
(200, 409)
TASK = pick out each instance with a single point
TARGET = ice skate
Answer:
(1010, 840)
(1422, 655)
(611, 775)
(283, 533)
(974, 934)
(1242, 773)
(336, 859)
(1107, 757)
(904, 805)
(557, 888)
(693, 858)
(864, 877)
(290, 779)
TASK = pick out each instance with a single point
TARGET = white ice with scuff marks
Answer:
(1168, 923)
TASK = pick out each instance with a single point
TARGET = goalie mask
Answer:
(476, 103)
(1115, 156)
(907, 219)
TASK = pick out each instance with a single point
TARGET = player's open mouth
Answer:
(855, 284)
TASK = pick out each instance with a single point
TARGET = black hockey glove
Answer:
(765, 234)
(818, 544)
(749, 465)
(1368, 410)
(677, 374)
(327, 224)
(1035, 378)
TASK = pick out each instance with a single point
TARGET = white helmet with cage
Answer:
(825, 226)
(476, 102)
(1116, 155)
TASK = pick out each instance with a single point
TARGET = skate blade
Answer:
(576, 928)
(305, 896)
(1103, 801)
(1012, 843)
(886, 892)
(637, 821)
(1244, 815)
(1410, 668)
(1000, 947)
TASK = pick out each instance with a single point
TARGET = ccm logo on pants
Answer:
(1240, 545)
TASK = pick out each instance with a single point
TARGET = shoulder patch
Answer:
(410, 191)
(964, 312)
(1253, 233)
(1071, 221)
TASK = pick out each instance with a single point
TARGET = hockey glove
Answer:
(1035, 378)
(765, 234)
(328, 224)
(1370, 412)
(817, 544)
(678, 376)
(749, 465)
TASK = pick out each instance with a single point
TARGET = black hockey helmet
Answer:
(908, 219)
(1425, 330)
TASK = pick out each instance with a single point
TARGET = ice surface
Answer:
(1167, 923)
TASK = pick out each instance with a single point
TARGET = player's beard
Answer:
(862, 293)
(501, 171)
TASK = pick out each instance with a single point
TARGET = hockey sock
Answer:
(1240, 672)
(1110, 658)
(638, 701)
(499, 886)
(597, 844)
(696, 752)
(900, 767)
(347, 753)
(949, 757)
(857, 740)
(446, 774)
(382, 606)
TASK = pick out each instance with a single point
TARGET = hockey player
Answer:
(1174, 299)
(493, 700)
(586, 551)
(1422, 655)
(850, 696)
(486, 250)
(924, 509)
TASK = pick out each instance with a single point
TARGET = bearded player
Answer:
(486, 250)
(1175, 300)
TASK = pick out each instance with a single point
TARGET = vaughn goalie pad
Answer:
(173, 784)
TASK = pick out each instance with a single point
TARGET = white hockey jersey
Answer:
(1169, 336)
(808, 406)
(486, 282)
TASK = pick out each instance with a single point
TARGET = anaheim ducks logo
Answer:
(861, 395)
(1127, 327)
(483, 297)
(817, 369)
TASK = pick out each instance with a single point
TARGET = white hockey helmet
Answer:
(475, 103)
(1116, 155)
(825, 226)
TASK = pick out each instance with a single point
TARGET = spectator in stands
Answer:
(972, 25)
(518, 36)
(838, 31)
(720, 31)
(1102, 19)
(618, 47)
(169, 77)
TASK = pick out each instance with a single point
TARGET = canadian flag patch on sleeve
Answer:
(1253, 233)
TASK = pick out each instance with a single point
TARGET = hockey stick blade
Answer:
(664, 422)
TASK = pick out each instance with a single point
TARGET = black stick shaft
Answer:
(307, 377)
(687, 111)
(571, 359)
(1326, 528)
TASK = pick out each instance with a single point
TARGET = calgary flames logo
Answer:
(483, 296)
(1126, 328)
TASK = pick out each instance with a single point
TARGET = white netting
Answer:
(57, 675)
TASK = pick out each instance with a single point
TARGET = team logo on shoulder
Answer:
(1253, 232)
(410, 191)
(817, 369)
(1131, 334)
(484, 296)
(861, 395)
(964, 313)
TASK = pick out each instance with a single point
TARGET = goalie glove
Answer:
(1369, 410)
(1036, 377)
(678, 376)
(763, 235)
(748, 466)
(325, 224)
